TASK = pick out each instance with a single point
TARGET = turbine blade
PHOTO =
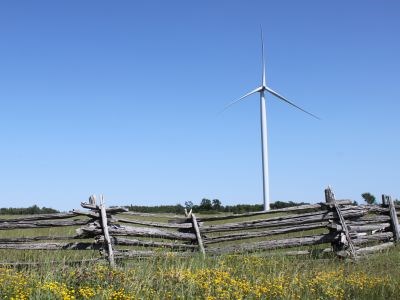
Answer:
(262, 58)
(241, 98)
(287, 101)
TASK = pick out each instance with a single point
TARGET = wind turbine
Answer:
(264, 136)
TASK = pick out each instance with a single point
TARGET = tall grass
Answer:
(222, 277)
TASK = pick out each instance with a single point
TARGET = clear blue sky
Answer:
(122, 98)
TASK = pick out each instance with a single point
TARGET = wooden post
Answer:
(345, 229)
(107, 239)
(92, 200)
(198, 235)
(329, 196)
(393, 218)
(384, 202)
(330, 199)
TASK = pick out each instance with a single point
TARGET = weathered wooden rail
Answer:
(335, 226)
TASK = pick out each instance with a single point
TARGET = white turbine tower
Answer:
(264, 136)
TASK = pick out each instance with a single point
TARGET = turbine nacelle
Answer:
(264, 88)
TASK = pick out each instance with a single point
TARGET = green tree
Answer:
(189, 205)
(216, 204)
(369, 198)
(205, 204)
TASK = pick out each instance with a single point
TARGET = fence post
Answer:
(387, 200)
(330, 199)
(384, 202)
(329, 196)
(198, 234)
(107, 240)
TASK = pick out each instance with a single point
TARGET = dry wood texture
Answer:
(120, 230)
(394, 220)
(275, 244)
(107, 240)
(157, 215)
(108, 210)
(198, 235)
(89, 214)
(344, 228)
(41, 224)
(35, 239)
(295, 209)
(282, 221)
(377, 237)
(361, 228)
(252, 234)
(40, 217)
(376, 248)
(369, 219)
(51, 246)
(152, 224)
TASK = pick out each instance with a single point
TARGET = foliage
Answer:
(223, 277)
(244, 208)
(216, 204)
(189, 205)
(176, 209)
(281, 204)
(205, 204)
(369, 198)
(210, 206)
(32, 210)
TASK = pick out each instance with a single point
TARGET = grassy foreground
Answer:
(225, 277)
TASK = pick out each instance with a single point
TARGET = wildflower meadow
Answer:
(223, 277)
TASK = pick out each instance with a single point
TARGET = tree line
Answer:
(209, 206)
(205, 206)
(215, 205)
(31, 210)
(175, 209)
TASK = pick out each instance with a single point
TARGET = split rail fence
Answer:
(336, 226)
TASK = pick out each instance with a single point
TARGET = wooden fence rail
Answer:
(334, 226)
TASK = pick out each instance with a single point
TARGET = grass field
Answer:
(168, 276)
(224, 277)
